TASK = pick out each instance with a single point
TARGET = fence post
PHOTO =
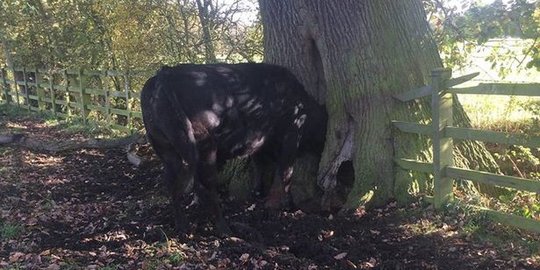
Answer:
(67, 95)
(127, 87)
(52, 92)
(25, 80)
(105, 85)
(40, 92)
(441, 105)
(16, 87)
(5, 86)
(84, 97)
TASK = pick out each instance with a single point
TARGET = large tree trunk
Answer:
(354, 55)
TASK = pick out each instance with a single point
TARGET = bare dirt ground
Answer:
(91, 209)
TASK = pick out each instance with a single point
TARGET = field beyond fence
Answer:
(443, 132)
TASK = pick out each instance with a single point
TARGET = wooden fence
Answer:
(442, 133)
(109, 96)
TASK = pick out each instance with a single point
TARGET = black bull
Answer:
(198, 116)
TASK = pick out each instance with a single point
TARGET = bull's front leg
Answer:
(207, 190)
(261, 163)
(279, 195)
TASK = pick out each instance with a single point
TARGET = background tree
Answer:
(354, 56)
(125, 34)
(460, 27)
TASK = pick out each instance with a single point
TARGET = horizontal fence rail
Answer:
(443, 132)
(494, 179)
(506, 89)
(473, 134)
(109, 96)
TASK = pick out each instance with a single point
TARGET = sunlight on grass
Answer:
(498, 112)
(72, 125)
(164, 255)
(51, 122)
(489, 111)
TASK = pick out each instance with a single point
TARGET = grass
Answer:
(72, 125)
(10, 231)
(501, 113)
(478, 226)
(176, 258)
(94, 129)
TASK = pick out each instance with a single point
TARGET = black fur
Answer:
(198, 116)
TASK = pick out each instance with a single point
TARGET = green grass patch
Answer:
(176, 258)
(90, 128)
(71, 125)
(9, 231)
(7, 110)
(476, 225)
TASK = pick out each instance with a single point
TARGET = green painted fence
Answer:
(442, 133)
(108, 96)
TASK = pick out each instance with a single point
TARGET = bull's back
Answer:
(240, 106)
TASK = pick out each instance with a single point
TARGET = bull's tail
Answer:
(177, 128)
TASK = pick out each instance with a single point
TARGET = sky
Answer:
(250, 16)
(459, 3)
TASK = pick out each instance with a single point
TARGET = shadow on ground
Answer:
(91, 209)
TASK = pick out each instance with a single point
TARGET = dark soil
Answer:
(91, 209)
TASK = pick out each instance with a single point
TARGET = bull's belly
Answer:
(240, 142)
(237, 132)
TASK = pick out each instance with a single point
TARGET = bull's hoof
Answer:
(247, 232)
(223, 229)
(274, 203)
(180, 226)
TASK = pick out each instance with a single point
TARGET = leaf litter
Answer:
(91, 209)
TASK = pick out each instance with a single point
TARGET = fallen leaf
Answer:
(372, 262)
(244, 257)
(340, 256)
(16, 256)
(53, 267)
(351, 264)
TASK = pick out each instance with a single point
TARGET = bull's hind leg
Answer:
(179, 178)
(207, 190)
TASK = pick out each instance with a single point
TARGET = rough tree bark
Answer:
(353, 56)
